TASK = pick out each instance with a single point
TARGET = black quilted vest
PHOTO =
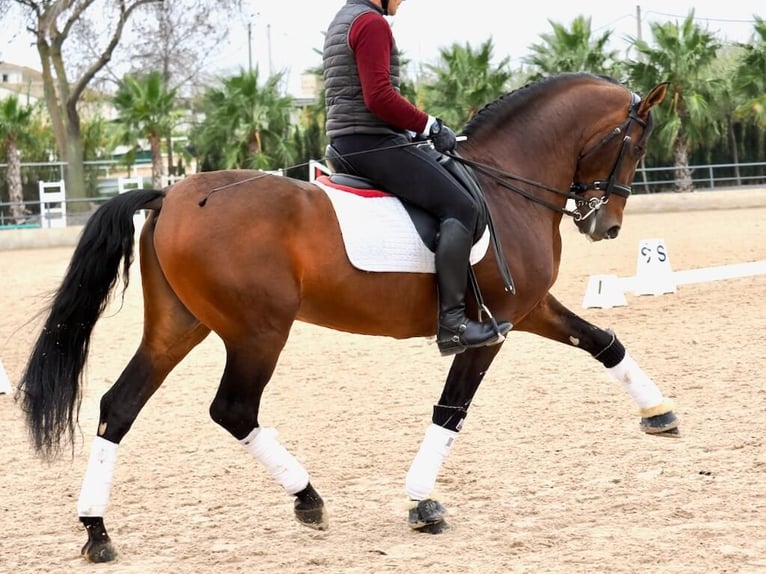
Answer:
(346, 112)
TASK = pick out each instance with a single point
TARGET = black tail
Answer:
(50, 390)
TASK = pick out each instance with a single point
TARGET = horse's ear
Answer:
(655, 97)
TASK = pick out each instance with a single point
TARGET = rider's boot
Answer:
(456, 332)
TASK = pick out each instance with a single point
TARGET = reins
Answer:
(576, 189)
(504, 178)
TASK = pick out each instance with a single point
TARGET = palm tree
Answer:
(246, 125)
(571, 50)
(728, 99)
(15, 120)
(749, 80)
(464, 80)
(683, 56)
(146, 110)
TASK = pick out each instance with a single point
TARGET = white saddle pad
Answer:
(379, 235)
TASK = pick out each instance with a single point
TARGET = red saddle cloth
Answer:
(362, 192)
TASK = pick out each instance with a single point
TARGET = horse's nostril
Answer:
(612, 232)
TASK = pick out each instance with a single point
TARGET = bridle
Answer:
(610, 185)
(576, 189)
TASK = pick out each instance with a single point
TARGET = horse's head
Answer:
(607, 164)
(577, 130)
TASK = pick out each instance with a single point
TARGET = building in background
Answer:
(20, 81)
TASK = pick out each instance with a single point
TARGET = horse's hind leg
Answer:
(170, 332)
(250, 363)
(552, 320)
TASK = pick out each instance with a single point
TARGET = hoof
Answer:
(665, 425)
(428, 516)
(309, 509)
(315, 518)
(98, 552)
(99, 546)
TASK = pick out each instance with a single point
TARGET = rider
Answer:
(365, 112)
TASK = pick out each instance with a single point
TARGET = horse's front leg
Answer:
(550, 319)
(465, 375)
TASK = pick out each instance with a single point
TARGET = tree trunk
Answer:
(734, 149)
(13, 177)
(62, 109)
(171, 166)
(75, 170)
(684, 181)
(154, 141)
(51, 98)
(75, 173)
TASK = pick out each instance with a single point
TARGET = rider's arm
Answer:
(371, 40)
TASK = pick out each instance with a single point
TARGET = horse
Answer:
(245, 254)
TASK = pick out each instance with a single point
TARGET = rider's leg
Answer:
(456, 332)
(415, 174)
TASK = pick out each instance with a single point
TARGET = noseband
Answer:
(609, 185)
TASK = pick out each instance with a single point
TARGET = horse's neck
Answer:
(523, 173)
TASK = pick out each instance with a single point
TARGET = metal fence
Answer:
(704, 177)
(42, 181)
(103, 180)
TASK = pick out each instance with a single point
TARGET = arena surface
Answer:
(550, 473)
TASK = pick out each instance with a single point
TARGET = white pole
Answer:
(5, 383)
(268, 44)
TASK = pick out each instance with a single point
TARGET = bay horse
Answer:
(244, 254)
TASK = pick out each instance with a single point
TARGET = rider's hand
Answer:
(442, 137)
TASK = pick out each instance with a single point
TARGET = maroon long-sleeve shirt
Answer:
(371, 40)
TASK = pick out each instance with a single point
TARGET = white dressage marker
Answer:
(654, 276)
(52, 203)
(604, 292)
(653, 273)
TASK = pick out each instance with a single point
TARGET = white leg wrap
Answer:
(97, 484)
(434, 449)
(262, 443)
(639, 386)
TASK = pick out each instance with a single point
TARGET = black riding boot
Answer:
(457, 332)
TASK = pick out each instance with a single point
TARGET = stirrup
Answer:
(455, 344)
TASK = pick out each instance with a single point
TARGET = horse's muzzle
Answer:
(612, 232)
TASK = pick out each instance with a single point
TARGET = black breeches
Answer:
(411, 173)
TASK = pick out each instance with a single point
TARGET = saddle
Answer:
(425, 223)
